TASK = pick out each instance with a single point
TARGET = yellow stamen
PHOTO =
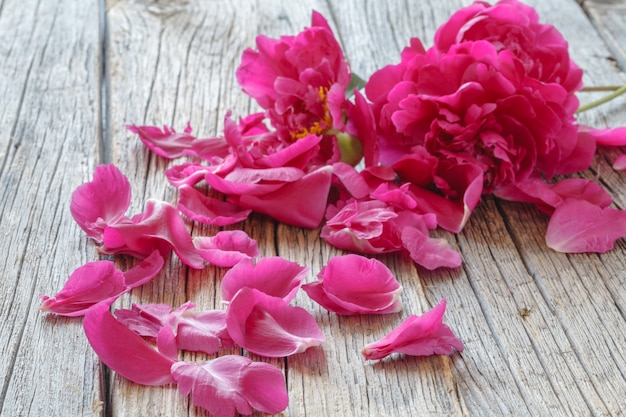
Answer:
(320, 126)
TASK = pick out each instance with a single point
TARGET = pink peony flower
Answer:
(300, 80)
(201, 331)
(227, 247)
(124, 351)
(232, 384)
(353, 284)
(268, 326)
(417, 336)
(98, 283)
(274, 276)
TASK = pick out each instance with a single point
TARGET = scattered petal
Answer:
(203, 209)
(417, 336)
(431, 253)
(166, 142)
(353, 284)
(227, 247)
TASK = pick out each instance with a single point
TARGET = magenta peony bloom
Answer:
(417, 336)
(268, 326)
(353, 284)
(232, 384)
(99, 282)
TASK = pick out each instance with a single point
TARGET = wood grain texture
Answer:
(545, 333)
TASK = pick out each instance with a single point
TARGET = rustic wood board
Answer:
(544, 332)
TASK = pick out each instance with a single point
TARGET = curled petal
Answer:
(577, 226)
(159, 227)
(165, 142)
(274, 276)
(124, 351)
(620, 163)
(99, 282)
(417, 336)
(353, 284)
(608, 136)
(227, 247)
(268, 326)
(429, 252)
(203, 209)
(102, 201)
(232, 384)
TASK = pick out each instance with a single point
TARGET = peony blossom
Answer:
(232, 384)
(268, 326)
(99, 282)
(101, 202)
(417, 336)
(202, 331)
(227, 247)
(124, 351)
(274, 276)
(353, 284)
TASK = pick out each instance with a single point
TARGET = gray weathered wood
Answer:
(544, 332)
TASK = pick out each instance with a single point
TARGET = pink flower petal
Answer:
(203, 209)
(417, 336)
(620, 163)
(429, 252)
(227, 247)
(577, 226)
(159, 227)
(99, 282)
(274, 276)
(268, 326)
(353, 284)
(232, 384)
(608, 136)
(102, 201)
(124, 351)
(166, 142)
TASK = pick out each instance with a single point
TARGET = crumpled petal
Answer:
(431, 253)
(102, 201)
(200, 331)
(353, 284)
(99, 282)
(124, 351)
(203, 209)
(274, 276)
(165, 142)
(232, 384)
(268, 326)
(577, 226)
(159, 227)
(417, 336)
(227, 247)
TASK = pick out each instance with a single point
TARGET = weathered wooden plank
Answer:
(49, 135)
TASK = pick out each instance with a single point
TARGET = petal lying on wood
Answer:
(268, 326)
(232, 384)
(353, 284)
(227, 247)
(417, 336)
(203, 209)
(274, 276)
(166, 142)
(124, 351)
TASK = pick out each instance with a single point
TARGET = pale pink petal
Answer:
(287, 204)
(431, 253)
(124, 351)
(159, 227)
(165, 142)
(268, 326)
(102, 201)
(417, 336)
(620, 163)
(274, 276)
(232, 384)
(577, 226)
(352, 284)
(204, 209)
(227, 247)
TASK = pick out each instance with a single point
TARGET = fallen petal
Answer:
(227, 247)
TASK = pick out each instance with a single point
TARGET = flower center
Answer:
(318, 124)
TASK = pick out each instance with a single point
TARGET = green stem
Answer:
(603, 100)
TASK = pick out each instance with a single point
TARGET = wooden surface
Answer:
(545, 333)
